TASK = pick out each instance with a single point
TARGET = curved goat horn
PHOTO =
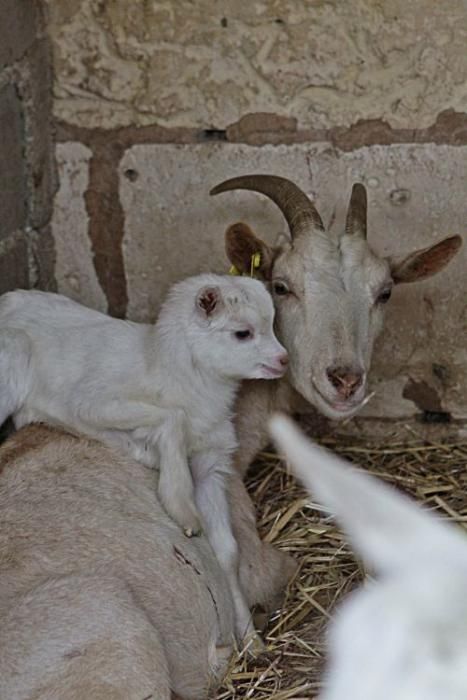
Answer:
(355, 222)
(299, 211)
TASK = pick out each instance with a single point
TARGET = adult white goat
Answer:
(161, 393)
(405, 635)
(329, 295)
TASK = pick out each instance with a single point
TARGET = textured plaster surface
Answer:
(75, 273)
(172, 228)
(27, 173)
(19, 20)
(12, 176)
(205, 65)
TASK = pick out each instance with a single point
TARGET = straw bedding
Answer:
(295, 635)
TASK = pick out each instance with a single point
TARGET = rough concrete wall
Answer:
(26, 163)
(204, 64)
(156, 102)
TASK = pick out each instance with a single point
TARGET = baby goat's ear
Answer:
(426, 262)
(391, 532)
(241, 245)
(209, 301)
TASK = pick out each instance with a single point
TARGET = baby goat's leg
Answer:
(14, 371)
(176, 489)
(211, 499)
(164, 428)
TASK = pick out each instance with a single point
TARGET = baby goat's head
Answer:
(404, 635)
(228, 324)
(329, 293)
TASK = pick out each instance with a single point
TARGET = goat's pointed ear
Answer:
(241, 245)
(426, 262)
(389, 531)
(209, 301)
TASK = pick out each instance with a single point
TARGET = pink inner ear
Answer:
(425, 263)
(208, 301)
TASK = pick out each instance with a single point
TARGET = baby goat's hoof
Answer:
(192, 532)
(185, 514)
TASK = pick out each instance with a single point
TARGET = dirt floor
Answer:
(295, 635)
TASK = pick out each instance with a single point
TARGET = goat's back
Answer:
(101, 595)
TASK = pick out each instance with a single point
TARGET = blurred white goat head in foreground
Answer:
(404, 636)
(329, 291)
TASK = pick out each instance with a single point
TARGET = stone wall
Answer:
(27, 179)
(155, 102)
(206, 64)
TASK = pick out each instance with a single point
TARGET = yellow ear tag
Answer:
(255, 263)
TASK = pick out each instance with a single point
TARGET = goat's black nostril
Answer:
(334, 377)
(345, 380)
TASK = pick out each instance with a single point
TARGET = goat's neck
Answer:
(277, 395)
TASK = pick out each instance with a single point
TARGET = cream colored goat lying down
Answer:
(101, 594)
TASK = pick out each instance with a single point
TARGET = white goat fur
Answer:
(102, 597)
(403, 636)
(162, 393)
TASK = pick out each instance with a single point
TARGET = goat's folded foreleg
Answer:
(211, 472)
(176, 489)
(163, 431)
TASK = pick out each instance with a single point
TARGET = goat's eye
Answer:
(243, 335)
(384, 297)
(280, 288)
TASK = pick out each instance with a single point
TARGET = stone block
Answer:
(14, 269)
(75, 273)
(205, 65)
(36, 81)
(18, 22)
(12, 167)
(416, 197)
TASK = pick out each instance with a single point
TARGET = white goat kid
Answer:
(404, 636)
(163, 393)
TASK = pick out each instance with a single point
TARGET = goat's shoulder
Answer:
(32, 306)
(23, 444)
(25, 297)
(36, 445)
(12, 302)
